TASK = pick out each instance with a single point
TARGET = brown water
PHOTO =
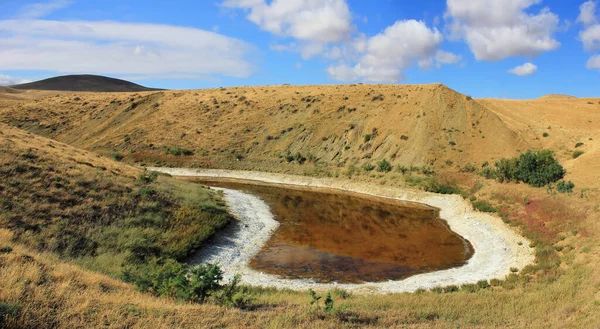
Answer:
(337, 236)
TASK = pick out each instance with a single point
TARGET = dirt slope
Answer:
(408, 125)
(86, 82)
(560, 124)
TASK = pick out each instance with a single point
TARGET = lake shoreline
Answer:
(497, 248)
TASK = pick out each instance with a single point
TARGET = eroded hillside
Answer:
(261, 127)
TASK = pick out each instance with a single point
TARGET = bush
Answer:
(179, 151)
(484, 206)
(545, 134)
(368, 137)
(468, 168)
(384, 166)
(118, 156)
(483, 284)
(299, 158)
(7, 310)
(147, 178)
(369, 167)
(170, 278)
(6, 250)
(580, 144)
(536, 168)
(577, 154)
(565, 187)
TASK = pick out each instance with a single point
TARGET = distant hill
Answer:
(90, 83)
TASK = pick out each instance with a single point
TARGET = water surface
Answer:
(335, 236)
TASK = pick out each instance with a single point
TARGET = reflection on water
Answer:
(349, 238)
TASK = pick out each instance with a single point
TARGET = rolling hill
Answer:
(89, 83)
(261, 127)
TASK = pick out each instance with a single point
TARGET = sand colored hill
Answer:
(339, 125)
(565, 123)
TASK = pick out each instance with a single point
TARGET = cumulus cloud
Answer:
(312, 20)
(120, 48)
(7, 80)
(590, 34)
(594, 62)
(385, 56)
(314, 23)
(497, 29)
(587, 13)
(524, 70)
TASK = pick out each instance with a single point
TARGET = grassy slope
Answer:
(87, 208)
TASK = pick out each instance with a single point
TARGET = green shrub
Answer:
(468, 168)
(299, 158)
(367, 137)
(483, 284)
(8, 310)
(172, 279)
(118, 156)
(147, 178)
(179, 151)
(369, 167)
(450, 288)
(580, 144)
(6, 249)
(434, 186)
(384, 166)
(536, 168)
(577, 154)
(484, 206)
(565, 186)
(545, 134)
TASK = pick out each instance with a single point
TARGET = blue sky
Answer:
(550, 46)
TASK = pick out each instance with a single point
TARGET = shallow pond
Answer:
(336, 236)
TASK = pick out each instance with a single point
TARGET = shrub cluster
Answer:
(179, 151)
(201, 283)
(536, 168)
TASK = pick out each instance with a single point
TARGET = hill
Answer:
(346, 126)
(89, 83)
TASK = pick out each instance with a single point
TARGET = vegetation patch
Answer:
(536, 168)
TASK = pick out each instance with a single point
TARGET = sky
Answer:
(516, 49)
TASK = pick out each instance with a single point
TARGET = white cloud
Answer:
(39, 10)
(7, 80)
(314, 23)
(594, 62)
(497, 29)
(311, 20)
(385, 56)
(120, 48)
(524, 70)
(590, 35)
(587, 13)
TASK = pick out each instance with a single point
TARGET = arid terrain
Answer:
(73, 162)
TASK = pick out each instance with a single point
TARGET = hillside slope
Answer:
(257, 127)
(566, 125)
(83, 206)
(85, 82)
